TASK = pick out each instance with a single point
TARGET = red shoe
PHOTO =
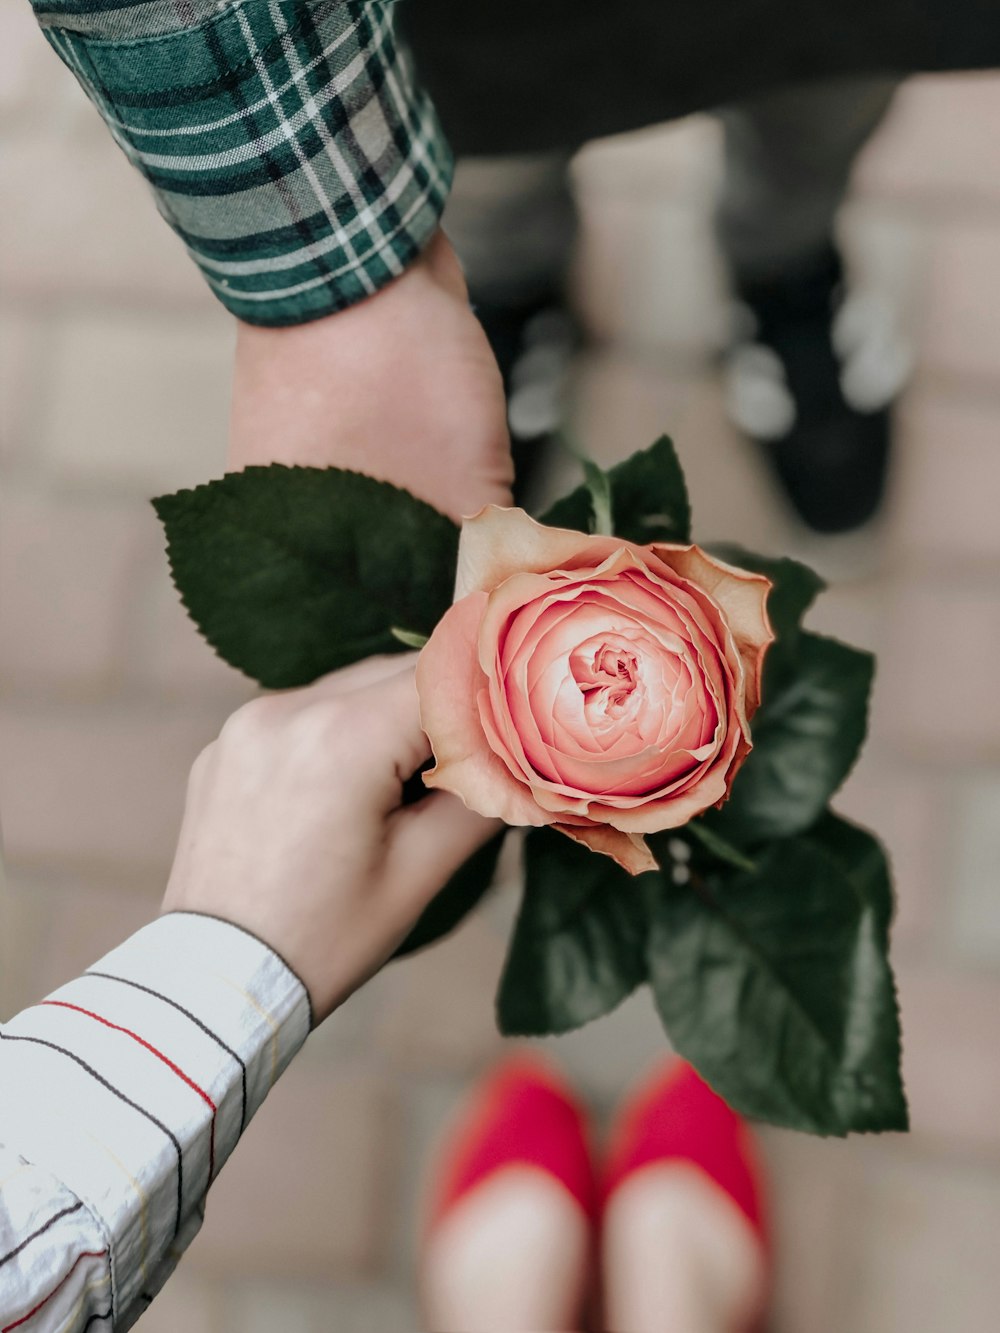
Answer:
(520, 1115)
(675, 1116)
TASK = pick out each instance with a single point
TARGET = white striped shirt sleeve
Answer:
(121, 1095)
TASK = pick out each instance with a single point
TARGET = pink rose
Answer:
(591, 684)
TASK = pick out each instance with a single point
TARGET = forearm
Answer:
(121, 1096)
(287, 142)
(292, 149)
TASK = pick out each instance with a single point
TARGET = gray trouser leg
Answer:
(788, 156)
(512, 221)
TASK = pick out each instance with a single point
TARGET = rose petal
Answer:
(498, 543)
(448, 683)
(653, 816)
(627, 849)
(602, 612)
(551, 724)
(555, 741)
(742, 596)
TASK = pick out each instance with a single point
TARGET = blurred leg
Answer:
(677, 1255)
(788, 157)
(512, 1255)
(512, 221)
(684, 1241)
(511, 1208)
(813, 367)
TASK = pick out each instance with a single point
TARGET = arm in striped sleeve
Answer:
(121, 1096)
(287, 142)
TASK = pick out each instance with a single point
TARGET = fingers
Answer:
(383, 742)
(428, 842)
(382, 693)
(394, 708)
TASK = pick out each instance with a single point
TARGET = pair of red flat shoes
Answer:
(524, 1115)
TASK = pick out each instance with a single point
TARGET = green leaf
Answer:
(290, 572)
(806, 736)
(649, 500)
(460, 895)
(795, 589)
(862, 858)
(776, 986)
(577, 948)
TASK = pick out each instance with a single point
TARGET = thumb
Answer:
(429, 841)
(398, 746)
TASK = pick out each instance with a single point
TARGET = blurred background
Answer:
(114, 366)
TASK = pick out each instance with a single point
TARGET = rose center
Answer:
(617, 669)
(607, 675)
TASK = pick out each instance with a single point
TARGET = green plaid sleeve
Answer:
(287, 142)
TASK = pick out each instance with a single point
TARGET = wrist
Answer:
(310, 394)
(402, 387)
(288, 934)
(267, 350)
(227, 920)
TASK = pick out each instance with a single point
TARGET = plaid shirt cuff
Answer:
(287, 143)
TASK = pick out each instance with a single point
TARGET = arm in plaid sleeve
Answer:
(286, 141)
(121, 1095)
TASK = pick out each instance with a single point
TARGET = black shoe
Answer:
(810, 378)
(534, 345)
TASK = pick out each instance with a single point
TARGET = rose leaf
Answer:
(806, 736)
(577, 949)
(290, 572)
(777, 987)
(649, 500)
(861, 857)
(467, 886)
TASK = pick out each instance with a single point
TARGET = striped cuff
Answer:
(133, 1083)
(287, 143)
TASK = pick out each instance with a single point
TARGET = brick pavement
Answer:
(108, 695)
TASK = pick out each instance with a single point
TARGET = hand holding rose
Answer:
(294, 829)
(595, 690)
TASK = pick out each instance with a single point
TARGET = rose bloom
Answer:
(591, 684)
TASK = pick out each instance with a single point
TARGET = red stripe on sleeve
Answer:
(85, 1254)
(63, 1004)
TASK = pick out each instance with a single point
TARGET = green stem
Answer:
(409, 637)
(720, 847)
